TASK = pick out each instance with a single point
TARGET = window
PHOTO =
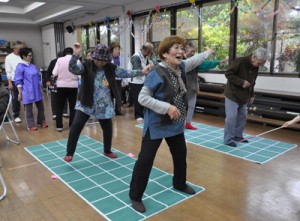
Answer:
(187, 25)
(287, 55)
(103, 34)
(140, 26)
(254, 28)
(216, 29)
(83, 39)
(114, 31)
(92, 37)
(161, 27)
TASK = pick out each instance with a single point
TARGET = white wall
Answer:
(48, 44)
(70, 38)
(276, 84)
(30, 34)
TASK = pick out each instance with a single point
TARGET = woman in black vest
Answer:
(98, 85)
(164, 116)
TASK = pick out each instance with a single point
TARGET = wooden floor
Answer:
(236, 190)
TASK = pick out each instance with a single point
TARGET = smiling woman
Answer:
(163, 96)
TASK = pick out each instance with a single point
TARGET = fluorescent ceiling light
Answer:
(4, 0)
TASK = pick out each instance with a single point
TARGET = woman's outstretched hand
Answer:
(209, 51)
(77, 49)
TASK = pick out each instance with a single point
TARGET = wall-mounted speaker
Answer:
(70, 29)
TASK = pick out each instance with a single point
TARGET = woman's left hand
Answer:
(173, 112)
(77, 49)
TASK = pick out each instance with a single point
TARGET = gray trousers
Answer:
(236, 116)
(29, 114)
(192, 98)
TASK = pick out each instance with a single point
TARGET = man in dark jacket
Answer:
(239, 91)
(51, 84)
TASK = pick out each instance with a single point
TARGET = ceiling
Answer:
(48, 11)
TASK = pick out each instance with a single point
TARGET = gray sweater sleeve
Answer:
(195, 61)
(146, 99)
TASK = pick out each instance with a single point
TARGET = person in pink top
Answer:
(67, 86)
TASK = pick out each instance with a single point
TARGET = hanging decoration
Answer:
(288, 2)
(258, 12)
(161, 19)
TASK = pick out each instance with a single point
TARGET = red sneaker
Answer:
(190, 127)
(34, 128)
(110, 155)
(44, 125)
(68, 158)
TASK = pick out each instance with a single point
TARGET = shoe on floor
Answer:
(66, 115)
(139, 119)
(190, 126)
(43, 125)
(34, 128)
(243, 140)
(138, 206)
(54, 117)
(187, 190)
(59, 129)
(232, 144)
(119, 113)
(111, 155)
(68, 158)
(18, 120)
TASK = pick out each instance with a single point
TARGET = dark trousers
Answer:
(62, 95)
(77, 126)
(135, 90)
(144, 163)
(54, 104)
(124, 94)
(15, 103)
(119, 87)
(29, 114)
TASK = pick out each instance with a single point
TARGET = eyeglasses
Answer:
(178, 48)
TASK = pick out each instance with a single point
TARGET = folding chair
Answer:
(3, 185)
(7, 120)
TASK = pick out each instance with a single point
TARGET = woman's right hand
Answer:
(209, 51)
(173, 112)
(77, 49)
(20, 96)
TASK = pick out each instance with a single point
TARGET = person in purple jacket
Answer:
(28, 80)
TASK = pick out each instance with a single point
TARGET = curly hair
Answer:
(167, 43)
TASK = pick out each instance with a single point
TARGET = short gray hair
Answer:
(261, 54)
(17, 43)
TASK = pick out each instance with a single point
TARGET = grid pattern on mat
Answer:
(258, 150)
(104, 183)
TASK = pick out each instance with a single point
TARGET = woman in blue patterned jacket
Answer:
(98, 85)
